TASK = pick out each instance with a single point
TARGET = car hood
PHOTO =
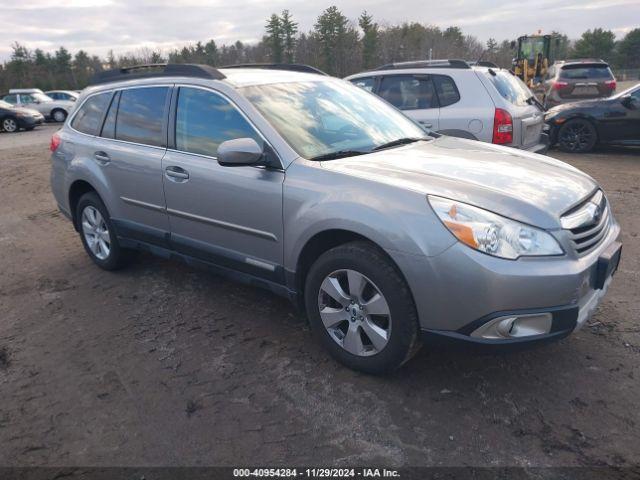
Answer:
(528, 187)
(596, 102)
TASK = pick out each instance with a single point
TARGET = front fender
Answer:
(318, 200)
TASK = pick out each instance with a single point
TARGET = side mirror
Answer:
(629, 102)
(239, 152)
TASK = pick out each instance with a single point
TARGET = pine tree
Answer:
(274, 38)
(369, 40)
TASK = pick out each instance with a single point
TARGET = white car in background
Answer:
(70, 95)
(34, 98)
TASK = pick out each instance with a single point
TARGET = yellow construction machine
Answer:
(533, 58)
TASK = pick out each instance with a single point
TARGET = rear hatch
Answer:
(579, 81)
(511, 94)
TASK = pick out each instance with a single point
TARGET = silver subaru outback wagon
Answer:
(317, 190)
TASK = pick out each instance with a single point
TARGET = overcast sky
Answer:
(126, 25)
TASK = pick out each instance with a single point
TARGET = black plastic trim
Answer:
(563, 318)
(157, 70)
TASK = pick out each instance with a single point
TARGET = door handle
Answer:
(426, 124)
(176, 174)
(102, 158)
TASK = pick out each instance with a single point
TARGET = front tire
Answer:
(98, 235)
(577, 136)
(361, 309)
(10, 125)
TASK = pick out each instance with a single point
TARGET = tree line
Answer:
(336, 44)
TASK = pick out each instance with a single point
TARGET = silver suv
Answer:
(319, 191)
(455, 98)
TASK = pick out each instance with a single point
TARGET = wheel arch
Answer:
(322, 242)
(77, 189)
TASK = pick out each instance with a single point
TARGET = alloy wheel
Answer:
(576, 137)
(96, 232)
(9, 125)
(354, 312)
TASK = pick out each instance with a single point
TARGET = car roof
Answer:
(243, 77)
(25, 90)
(424, 70)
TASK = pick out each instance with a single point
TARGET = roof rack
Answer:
(157, 70)
(294, 67)
(445, 63)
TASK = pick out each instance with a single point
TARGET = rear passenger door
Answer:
(128, 153)
(415, 95)
(230, 216)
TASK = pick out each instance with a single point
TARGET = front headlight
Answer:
(491, 233)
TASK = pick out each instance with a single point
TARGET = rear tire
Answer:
(59, 115)
(364, 280)
(577, 136)
(10, 125)
(98, 235)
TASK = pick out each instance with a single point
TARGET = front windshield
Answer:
(320, 118)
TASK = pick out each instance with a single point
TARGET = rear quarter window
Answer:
(446, 89)
(366, 83)
(140, 115)
(89, 117)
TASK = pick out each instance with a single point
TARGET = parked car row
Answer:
(384, 234)
(20, 105)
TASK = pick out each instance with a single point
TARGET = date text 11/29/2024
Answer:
(315, 473)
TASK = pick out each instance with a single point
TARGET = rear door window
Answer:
(409, 92)
(447, 90)
(583, 72)
(141, 115)
(205, 119)
(89, 117)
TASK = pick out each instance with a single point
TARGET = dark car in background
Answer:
(14, 118)
(574, 80)
(580, 126)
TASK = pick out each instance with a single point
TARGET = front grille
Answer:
(588, 224)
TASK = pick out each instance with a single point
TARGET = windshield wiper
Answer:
(338, 154)
(532, 100)
(398, 142)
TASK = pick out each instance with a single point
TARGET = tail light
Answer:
(611, 84)
(55, 142)
(559, 85)
(502, 127)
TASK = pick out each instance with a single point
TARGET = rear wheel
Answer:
(361, 309)
(98, 235)
(59, 115)
(10, 125)
(577, 136)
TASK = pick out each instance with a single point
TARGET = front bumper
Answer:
(461, 289)
(30, 121)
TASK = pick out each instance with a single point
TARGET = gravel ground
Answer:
(160, 364)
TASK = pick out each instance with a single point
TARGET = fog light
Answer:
(515, 326)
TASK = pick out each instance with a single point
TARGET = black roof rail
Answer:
(444, 63)
(293, 67)
(157, 70)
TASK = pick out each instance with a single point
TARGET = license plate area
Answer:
(607, 264)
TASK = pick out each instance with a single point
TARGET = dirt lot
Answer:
(164, 365)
